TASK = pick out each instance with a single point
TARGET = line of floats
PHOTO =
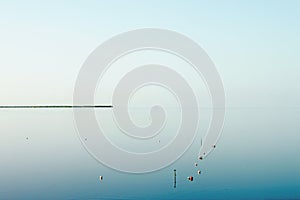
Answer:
(189, 178)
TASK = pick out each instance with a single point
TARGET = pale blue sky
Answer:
(255, 45)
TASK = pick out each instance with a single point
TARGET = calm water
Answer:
(256, 158)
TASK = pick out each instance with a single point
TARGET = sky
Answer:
(254, 45)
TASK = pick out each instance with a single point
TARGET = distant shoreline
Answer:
(56, 106)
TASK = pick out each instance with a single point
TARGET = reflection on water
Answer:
(256, 157)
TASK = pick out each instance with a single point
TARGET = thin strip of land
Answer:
(56, 106)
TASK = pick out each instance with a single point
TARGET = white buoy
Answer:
(196, 164)
(199, 172)
(100, 178)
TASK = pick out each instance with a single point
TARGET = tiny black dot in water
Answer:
(85, 139)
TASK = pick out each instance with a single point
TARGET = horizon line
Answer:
(57, 106)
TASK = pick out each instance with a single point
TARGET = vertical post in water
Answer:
(174, 178)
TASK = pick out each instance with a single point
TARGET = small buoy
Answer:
(201, 158)
(26, 138)
(85, 139)
(100, 178)
(196, 164)
(190, 178)
(214, 146)
(199, 172)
